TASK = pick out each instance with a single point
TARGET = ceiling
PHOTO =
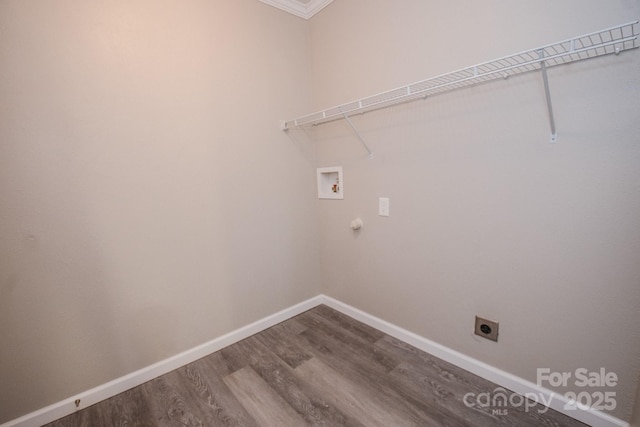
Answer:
(302, 8)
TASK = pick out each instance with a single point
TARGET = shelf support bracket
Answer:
(353, 128)
(545, 79)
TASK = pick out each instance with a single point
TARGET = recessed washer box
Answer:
(330, 183)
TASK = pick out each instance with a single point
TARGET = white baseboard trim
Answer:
(504, 379)
(134, 379)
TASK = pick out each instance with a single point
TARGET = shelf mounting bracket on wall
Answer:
(353, 128)
(545, 79)
(604, 42)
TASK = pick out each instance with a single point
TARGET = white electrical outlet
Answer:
(383, 206)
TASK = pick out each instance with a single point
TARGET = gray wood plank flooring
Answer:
(321, 368)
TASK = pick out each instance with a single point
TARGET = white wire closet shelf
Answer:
(604, 42)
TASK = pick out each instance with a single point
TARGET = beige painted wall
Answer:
(487, 217)
(635, 418)
(148, 200)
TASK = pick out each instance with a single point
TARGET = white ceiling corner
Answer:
(302, 8)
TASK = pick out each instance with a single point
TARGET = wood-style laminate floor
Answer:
(319, 368)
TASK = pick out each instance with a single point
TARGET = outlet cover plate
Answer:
(383, 206)
(486, 328)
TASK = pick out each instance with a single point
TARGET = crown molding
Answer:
(305, 11)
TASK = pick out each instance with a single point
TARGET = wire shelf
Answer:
(604, 42)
